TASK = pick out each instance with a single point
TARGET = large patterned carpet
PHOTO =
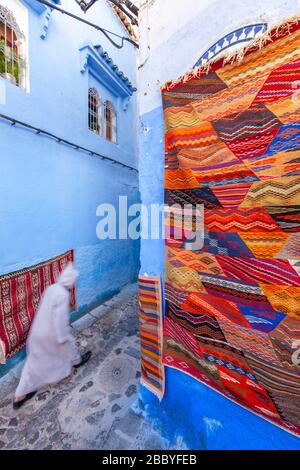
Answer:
(233, 307)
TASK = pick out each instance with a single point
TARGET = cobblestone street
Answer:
(91, 409)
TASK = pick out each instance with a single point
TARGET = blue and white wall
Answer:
(174, 35)
(49, 192)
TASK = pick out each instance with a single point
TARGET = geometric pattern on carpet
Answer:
(151, 333)
(233, 306)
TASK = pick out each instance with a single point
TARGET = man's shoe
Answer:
(18, 404)
(84, 358)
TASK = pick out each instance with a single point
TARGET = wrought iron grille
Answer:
(12, 64)
(95, 111)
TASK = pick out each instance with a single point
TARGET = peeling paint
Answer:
(212, 425)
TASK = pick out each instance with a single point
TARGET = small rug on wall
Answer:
(151, 329)
(20, 294)
(232, 139)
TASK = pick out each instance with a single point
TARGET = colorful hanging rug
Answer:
(20, 294)
(151, 329)
(232, 138)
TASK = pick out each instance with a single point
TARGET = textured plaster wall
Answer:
(168, 25)
(173, 38)
(49, 192)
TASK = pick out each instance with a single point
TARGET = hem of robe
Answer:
(23, 390)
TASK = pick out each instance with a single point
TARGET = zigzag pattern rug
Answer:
(151, 332)
(20, 294)
(232, 138)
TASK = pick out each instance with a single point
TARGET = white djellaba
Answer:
(51, 349)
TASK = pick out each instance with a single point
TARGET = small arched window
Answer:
(12, 64)
(110, 122)
(95, 111)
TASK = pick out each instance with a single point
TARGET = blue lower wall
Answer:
(193, 415)
(190, 411)
(49, 195)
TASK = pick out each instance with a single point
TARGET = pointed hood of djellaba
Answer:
(68, 277)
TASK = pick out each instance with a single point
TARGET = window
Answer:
(95, 114)
(12, 64)
(110, 122)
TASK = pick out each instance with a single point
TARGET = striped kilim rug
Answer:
(151, 328)
(232, 138)
(20, 294)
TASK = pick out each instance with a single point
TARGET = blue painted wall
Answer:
(190, 413)
(49, 192)
(195, 416)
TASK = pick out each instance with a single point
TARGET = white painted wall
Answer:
(175, 33)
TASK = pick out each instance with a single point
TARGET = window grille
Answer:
(95, 111)
(12, 64)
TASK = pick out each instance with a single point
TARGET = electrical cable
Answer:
(104, 31)
(58, 139)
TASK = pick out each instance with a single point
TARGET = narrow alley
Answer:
(149, 229)
(94, 408)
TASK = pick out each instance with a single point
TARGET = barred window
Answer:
(12, 63)
(110, 122)
(95, 111)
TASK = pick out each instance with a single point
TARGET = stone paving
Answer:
(93, 408)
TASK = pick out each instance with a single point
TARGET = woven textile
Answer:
(20, 294)
(232, 137)
(151, 329)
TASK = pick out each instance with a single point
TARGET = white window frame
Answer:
(13, 47)
(110, 116)
(95, 115)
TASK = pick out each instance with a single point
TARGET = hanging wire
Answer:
(60, 140)
(104, 31)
